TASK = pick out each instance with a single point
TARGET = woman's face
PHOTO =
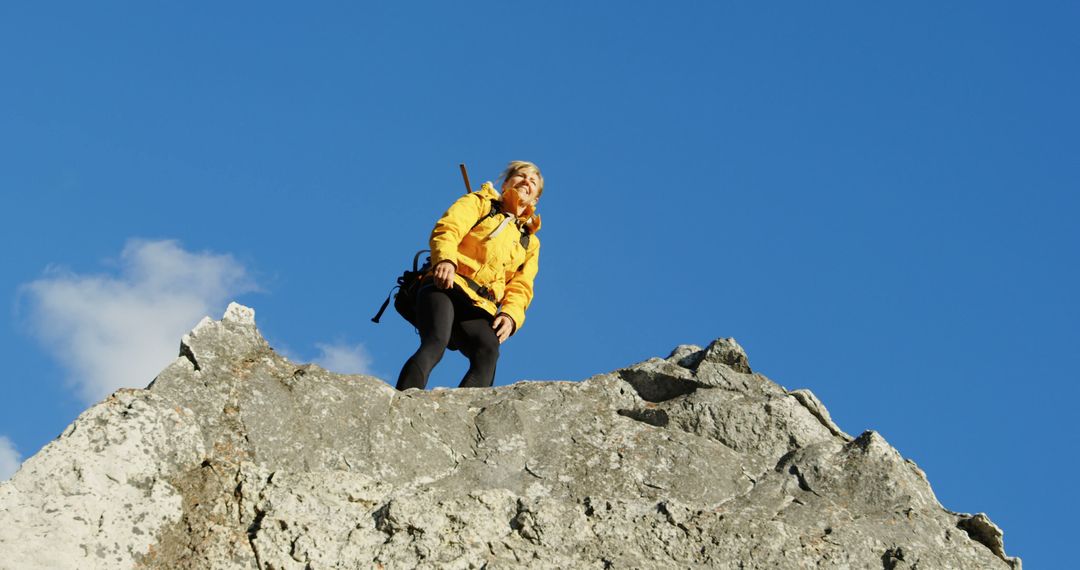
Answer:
(522, 187)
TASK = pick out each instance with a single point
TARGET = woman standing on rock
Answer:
(484, 257)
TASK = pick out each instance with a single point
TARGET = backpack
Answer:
(408, 285)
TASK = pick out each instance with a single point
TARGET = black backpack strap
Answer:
(480, 289)
(382, 309)
(416, 259)
(496, 207)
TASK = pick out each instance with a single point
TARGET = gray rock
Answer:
(235, 457)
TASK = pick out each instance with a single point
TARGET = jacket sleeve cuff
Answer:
(516, 317)
(438, 256)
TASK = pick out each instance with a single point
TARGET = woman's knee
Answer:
(486, 347)
(435, 338)
(432, 348)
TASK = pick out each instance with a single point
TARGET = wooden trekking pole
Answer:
(465, 175)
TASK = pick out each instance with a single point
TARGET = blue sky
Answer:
(878, 202)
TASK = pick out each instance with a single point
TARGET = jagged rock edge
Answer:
(973, 526)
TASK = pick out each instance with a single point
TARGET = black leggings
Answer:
(440, 314)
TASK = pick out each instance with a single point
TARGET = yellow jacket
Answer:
(490, 254)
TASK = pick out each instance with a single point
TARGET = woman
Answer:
(484, 256)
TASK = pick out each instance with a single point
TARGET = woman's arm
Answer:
(519, 291)
(452, 227)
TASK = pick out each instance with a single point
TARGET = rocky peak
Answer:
(235, 457)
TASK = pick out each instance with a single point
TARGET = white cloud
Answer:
(114, 331)
(9, 458)
(344, 358)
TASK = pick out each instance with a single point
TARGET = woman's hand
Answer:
(443, 274)
(503, 326)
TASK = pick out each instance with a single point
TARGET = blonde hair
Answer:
(514, 166)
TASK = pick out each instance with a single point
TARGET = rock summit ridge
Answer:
(235, 457)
